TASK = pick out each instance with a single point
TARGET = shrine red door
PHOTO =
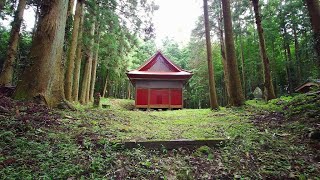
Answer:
(159, 97)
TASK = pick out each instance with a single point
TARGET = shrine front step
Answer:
(176, 144)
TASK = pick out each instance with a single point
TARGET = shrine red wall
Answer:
(159, 98)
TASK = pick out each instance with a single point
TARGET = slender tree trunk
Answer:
(276, 88)
(129, 90)
(225, 69)
(243, 70)
(287, 55)
(109, 90)
(6, 75)
(314, 13)
(268, 85)
(84, 84)
(89, 78)
(242, 64)
(288, 59)
(212, 86)
(77, 64)
(70, 7)
(105, 86)
(72, 51)
(94, 65)
(43, 79)
(85, 90)
(90, 61)
(289, 65)
(235, 88)
(297, 53)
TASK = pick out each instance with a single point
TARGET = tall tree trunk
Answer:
(94, 65)
(6, 75)
(243, 68)
(68, 24)
(242, 62)
(105, 86)
(223, 55)
(289, 65)
(70, 7)
(268, 86)
(85, 90)
(235, 88)
(314, 13)
(276, 87)
(84, 84)
(297, 53)
(212, 86)
(43, 79)
(77, 63)
(89, 77)
(287, 55)
(72, 51)
(288, 59)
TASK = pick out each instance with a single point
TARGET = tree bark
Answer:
(6, 75)
(43, 78)
(85, 90)
(314, 13)
(212, 86)
(268, 85)
(235, 88)
(72, 51)
(94, 65)
(77, 64)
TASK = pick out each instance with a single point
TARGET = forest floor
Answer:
(276, 140)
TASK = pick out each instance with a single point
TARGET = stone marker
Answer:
(257, 93)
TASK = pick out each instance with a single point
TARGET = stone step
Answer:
(176, 144)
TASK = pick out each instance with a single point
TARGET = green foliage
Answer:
(272, 105)
(303, 104)
(203, 150)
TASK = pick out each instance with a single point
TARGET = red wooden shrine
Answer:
(159, 83)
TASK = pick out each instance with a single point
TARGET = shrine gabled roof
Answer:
(159, 66)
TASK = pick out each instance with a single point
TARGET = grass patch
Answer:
(82, 144)
(176, 124)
